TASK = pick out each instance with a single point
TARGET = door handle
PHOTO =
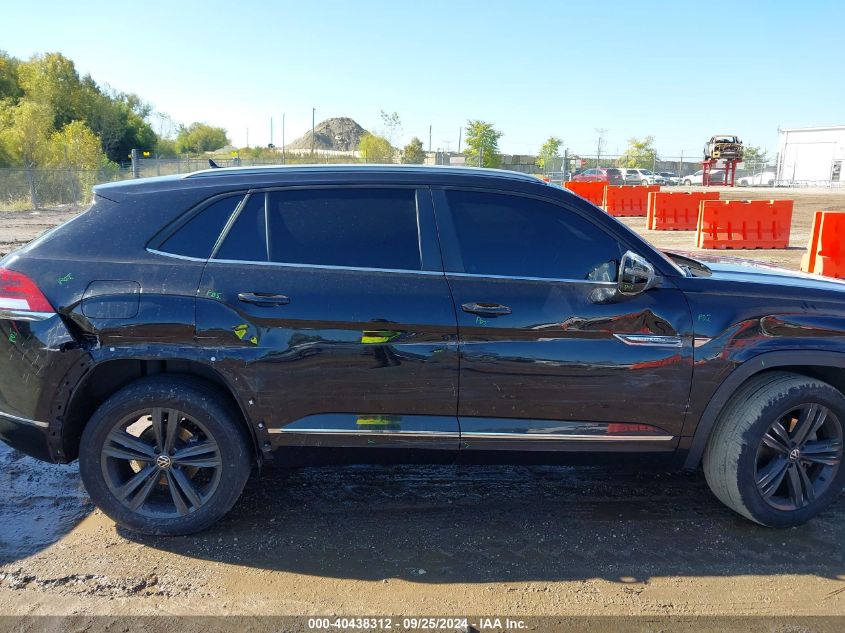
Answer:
(263, 298)
(486, 309)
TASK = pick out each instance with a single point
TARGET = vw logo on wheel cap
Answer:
(794, 455)
(164, 461)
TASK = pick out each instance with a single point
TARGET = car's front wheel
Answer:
(776, 453)
(165, 455)
(688, 182)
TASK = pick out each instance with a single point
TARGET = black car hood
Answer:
(726, 268)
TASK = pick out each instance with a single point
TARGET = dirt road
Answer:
(422, 540)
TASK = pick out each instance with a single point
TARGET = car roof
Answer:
(282, 175)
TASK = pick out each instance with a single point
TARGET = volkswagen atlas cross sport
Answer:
(186, 329)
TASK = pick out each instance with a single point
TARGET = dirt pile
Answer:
(341, 134)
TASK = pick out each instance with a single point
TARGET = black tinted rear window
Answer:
(197, 237)
(246, 240)
(354, 227)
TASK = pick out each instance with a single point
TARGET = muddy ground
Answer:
(416, 540)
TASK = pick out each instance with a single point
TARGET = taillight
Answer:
(20, 294)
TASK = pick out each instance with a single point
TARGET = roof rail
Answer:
(278, 169)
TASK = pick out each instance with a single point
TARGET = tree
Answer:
(10, 87)
(392, 125)
(375, 149)
(549, 152)
(640, 153)
(51, 80)
(166, 148)
(76, 146)
(25, 131)
(754, 157)
(199, 137)
(413, 153)
(482, 144)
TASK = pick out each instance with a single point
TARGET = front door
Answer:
(330, 306)
(552, 358)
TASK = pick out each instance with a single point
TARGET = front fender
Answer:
(765, 361)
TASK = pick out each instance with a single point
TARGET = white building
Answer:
(812, 155)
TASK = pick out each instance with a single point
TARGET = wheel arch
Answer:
(106, 378)
(826, 366)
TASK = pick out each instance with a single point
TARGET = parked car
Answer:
(763, 179)
(642, 177)
(717, 177)
(186, 329)
(670, 178)
(612, 175)
(589, 175)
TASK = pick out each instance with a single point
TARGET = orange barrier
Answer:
(675, 211)
(627, 200)
(808, 261)
(744, 224)
(825, 252)
(591, 191)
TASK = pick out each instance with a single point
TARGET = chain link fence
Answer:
(22, 188)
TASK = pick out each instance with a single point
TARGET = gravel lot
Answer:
(424, 540)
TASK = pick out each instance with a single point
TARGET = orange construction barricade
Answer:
(826, 250)
(627, 200)
(675, 211)
(592, 191)
(744, 224)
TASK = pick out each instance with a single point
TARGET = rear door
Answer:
(552, 359)
(331, 307)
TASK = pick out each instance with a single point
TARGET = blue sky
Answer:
(679, 71)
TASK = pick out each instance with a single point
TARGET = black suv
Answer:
(185, 329)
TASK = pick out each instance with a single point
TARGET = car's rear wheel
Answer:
(776, 453)
(165, 455)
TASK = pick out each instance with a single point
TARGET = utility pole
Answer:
(599, 145)
(429, 138)
(460, 135)
(313, 113)
(681, 166)
(283, 138)
(565, 164)
(271, 131)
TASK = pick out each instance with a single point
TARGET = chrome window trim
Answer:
(383, 270)
(25, 315)
(175, 256)
(27, 421)
(520, 278)
(329, 267)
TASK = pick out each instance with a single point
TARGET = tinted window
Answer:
(370, 228)
(197, 237)
(522, 237)
(246, 240)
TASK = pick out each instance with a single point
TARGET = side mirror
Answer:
(636, 275)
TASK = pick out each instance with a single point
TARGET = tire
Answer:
(688, 183)
(778, 480)
(165, 492)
